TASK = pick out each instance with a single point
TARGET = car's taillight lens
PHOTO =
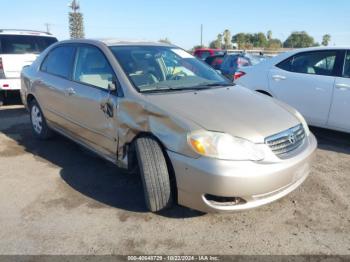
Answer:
(238, 75)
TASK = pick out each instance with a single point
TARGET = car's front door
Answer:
(340, 110)
(91, 106)
(305, 81)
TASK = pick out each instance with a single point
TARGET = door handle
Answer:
(342, 86)
(279, 77)
(70, 91)
(107, 108)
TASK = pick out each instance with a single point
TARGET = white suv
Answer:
(18, 48)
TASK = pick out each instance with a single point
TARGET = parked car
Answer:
(215, 61)
(316, 81)
(203, 53)
(18, 48)
(257, 58)
(194, 136)
(233, 63)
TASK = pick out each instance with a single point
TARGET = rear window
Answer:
(219, 52)
(23, 44)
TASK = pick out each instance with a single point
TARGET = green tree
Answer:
(248, 41)
(217, 44)
(326, 39)
(260, 40)
(299, 40)
(227, 39)
(240, 40)
(165, 40)
(76, 21)
(269, 35)
(274, 44)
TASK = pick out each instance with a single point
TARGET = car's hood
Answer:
(235, 110)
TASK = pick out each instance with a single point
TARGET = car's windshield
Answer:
(158, 68)
(23, 44)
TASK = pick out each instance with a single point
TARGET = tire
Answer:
(154, 174)
(38, 122)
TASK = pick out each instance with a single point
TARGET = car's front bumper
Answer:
(256, 183)
(10, 84)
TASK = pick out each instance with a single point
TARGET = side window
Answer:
(233, 61)
(226, 62)
(59, 61)
(346, 72)
(242, 62)
(205, 54)
(286, 64)
(315, 63)
(92, 67)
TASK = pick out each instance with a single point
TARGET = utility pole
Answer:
(201, 35)
(47, 25)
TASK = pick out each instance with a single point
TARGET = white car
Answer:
(315, 81)
(18, 48)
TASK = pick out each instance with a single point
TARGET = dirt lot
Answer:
(55, 198)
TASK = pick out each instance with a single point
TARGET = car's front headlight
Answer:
(223, 146)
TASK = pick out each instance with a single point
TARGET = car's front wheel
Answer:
(154, 174)
(38, 121)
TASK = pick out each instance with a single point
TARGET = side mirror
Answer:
(113, 85)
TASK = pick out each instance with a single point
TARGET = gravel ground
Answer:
(55, 198)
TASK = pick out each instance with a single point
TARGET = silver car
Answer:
(195, 138)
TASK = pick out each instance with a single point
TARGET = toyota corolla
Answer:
(195, 138)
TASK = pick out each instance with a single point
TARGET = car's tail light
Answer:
(238, 75)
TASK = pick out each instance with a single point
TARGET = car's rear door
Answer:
(52, 82)
(90, 105)
(305, 81)
(339, 116)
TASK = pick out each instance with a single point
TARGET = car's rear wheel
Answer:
(154, 174)
(38, 121)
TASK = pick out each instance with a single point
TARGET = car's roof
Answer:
(119, 42)
(24, 32)
(318, 48)
(208, 49)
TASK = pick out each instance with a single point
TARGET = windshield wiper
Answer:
(220, 84)
(202, 86)
(164, 89)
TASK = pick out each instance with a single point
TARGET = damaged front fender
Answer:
(139, 116)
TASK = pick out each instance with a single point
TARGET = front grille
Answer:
(286, 141)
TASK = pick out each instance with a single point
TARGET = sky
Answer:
(180, 20)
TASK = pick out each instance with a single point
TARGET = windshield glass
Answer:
(157, 68)
(23, 44)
